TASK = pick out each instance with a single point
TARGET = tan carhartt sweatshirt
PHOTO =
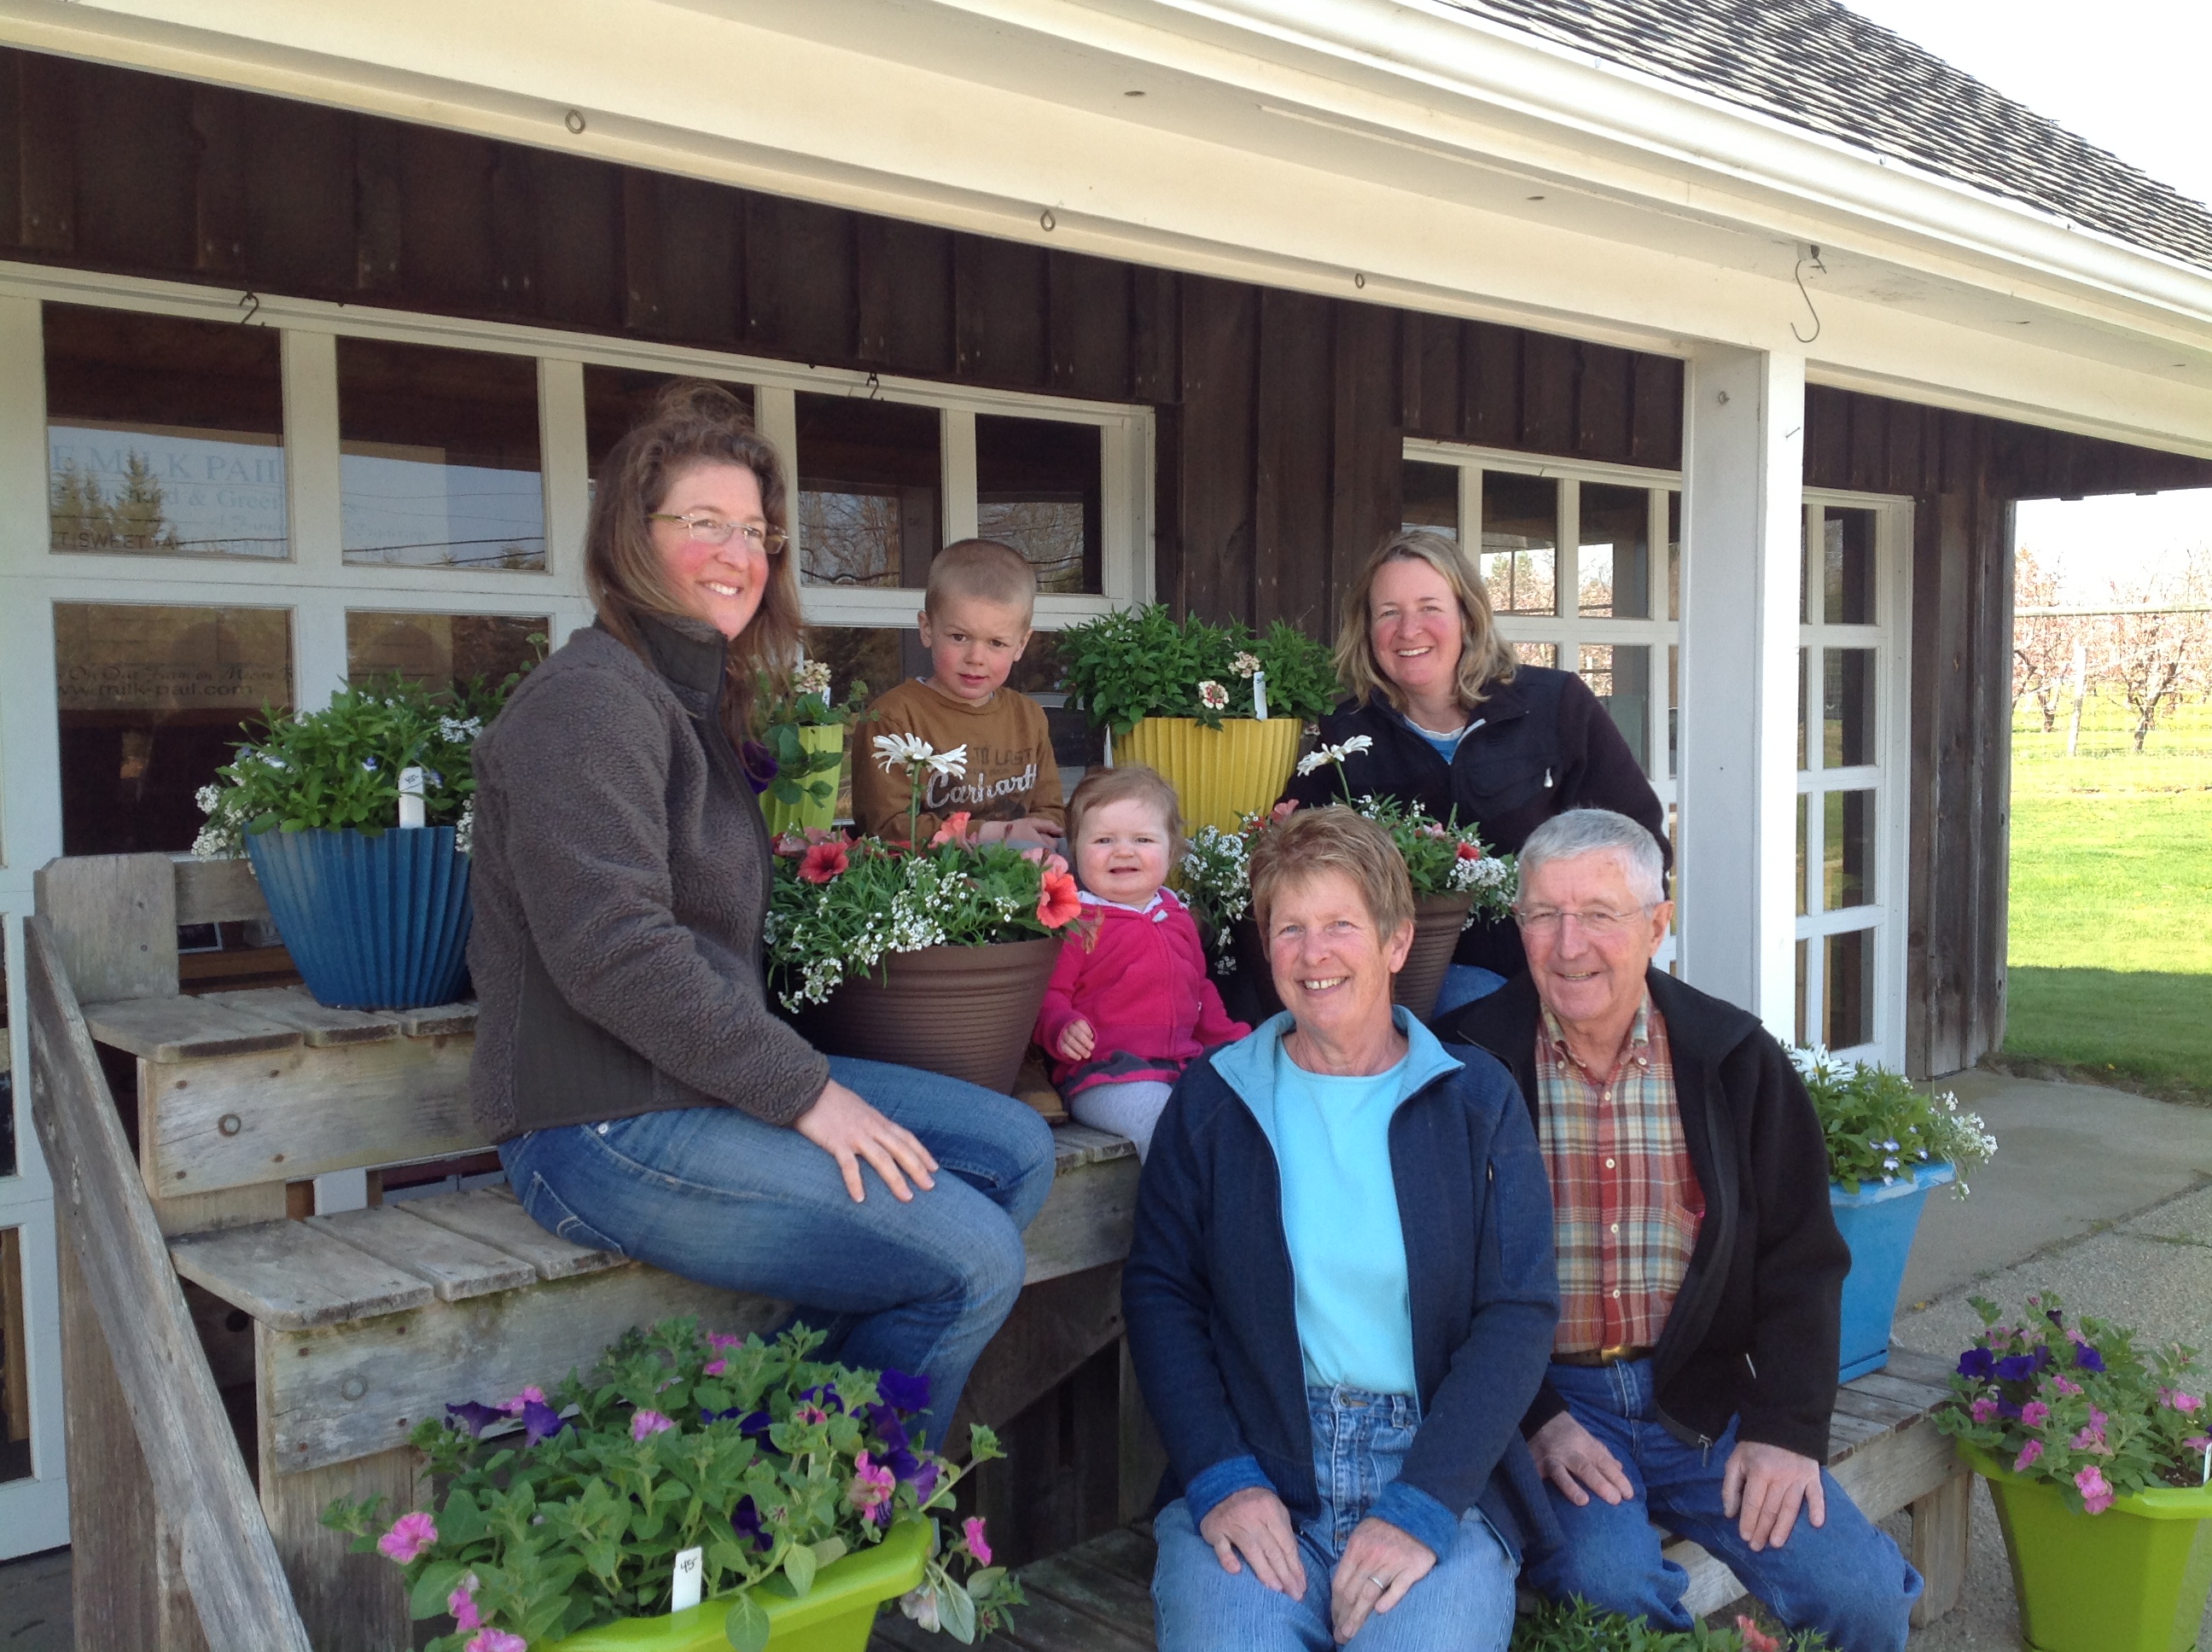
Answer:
(1011, 771)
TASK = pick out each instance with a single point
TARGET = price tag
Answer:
(1258, 696)
(690, 1568)
(411, 797)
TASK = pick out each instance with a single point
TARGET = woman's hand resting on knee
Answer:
(847, 1128)
(1253, 1523)
(1380, 1563)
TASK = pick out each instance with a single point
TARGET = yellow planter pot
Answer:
(818, 739)
(1218, 775)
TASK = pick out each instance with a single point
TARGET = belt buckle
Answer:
(1614, 1355)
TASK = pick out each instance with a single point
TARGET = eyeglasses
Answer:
(714, 530)
(1598, 926)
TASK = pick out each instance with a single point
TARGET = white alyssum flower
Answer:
(460, 730)
(907, 751)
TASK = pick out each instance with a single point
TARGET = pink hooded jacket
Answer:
(1138, 978)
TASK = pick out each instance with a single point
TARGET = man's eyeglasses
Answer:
(714, 530)
(1598, 926)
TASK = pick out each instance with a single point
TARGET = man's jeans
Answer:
(1464, 1605)
(715, 1195)
(1844, 1578)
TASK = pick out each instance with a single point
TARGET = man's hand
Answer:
(1380, 1563)
(1076, 1041)
(847, 1128)
(1030, 831)
(1570, 1457)
(1255, 1524)
(1768, 1485)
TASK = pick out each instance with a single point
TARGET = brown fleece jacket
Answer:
(621, 872)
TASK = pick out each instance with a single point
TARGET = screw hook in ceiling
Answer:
(251, 303)
(1799, 275)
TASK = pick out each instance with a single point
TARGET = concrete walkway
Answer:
(2104, 1197)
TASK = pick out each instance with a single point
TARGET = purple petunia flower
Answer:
(540, 1422)
(747, 1520)
(826, 1397)
(644, 1423)
(755, 1425)
(2088, 1359)
(904, 1394)
(1976, 1363)
(475, 1416)
(2016, 1368)
(885, 1423)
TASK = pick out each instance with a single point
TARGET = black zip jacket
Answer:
(1753, 1331)
(1538, 746)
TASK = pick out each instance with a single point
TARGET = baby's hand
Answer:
(1035, 828)
(1076, 1041)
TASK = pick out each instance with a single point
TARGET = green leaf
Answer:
(427, 1597)
(798, 1567)
(829, 1551)
(747, 1626)
(981, 1583)
(956, 1609)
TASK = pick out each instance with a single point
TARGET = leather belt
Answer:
(1619, 1354)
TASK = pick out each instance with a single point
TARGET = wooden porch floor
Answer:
(1096, 1597)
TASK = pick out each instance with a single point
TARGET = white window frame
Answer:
(1888, 776)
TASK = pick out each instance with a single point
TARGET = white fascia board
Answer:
(830, 121)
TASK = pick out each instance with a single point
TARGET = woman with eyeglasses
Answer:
(1454, 722)
(644, 1098)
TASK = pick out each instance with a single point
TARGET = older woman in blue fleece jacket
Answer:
(1341, 1295)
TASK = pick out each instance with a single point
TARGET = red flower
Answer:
(1470, 852)
(1283, 810)
(954, 831)
(1755, 1639)
(822, 862)
(1060, 902)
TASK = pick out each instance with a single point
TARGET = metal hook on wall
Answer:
(246, 300)
(1798, 275)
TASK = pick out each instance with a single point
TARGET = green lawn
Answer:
(2111, 903)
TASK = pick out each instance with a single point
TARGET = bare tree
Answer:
(2157, 657)
(2042, 644)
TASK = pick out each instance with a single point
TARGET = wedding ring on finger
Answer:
(1382, 1584)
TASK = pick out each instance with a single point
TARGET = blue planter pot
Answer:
(1878, 1224)
(371, 923)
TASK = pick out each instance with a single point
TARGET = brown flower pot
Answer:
(1436, 922)
(965, 1012)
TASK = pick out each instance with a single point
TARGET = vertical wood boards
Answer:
(229, 1561)
(1492, 415)
(45, 192)
(1655, 432)
(15, 1373)
(218, 126)
(998, 312)
(378, 212)
(1550, 370)
(349, 1602)
(1602, 406)
(1088, 300)
(576, 208)
(640, 251)
(1296, 470)
(445, 217)
(300, 199)
(800, 291)
(701, 263)
(903, 277)
(115, 922)
(1218, 457)
(1367, 482)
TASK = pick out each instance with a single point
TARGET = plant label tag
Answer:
(411, 797)
(1260, 696)
(690, 1567)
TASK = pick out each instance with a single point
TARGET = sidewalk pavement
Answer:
(2104, 1197)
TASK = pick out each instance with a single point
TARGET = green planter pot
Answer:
(836, 1615)
(796, 817)
(2132, 1579)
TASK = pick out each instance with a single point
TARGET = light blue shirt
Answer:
(1442, 745)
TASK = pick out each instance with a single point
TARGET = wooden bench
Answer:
(1883, 1449)
(329, 1334)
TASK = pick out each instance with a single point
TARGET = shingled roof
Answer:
(1816, 64)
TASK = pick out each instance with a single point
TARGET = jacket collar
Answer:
(690, 654)
(1248, 1066)
(1501, 702)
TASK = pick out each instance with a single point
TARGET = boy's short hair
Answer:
(1102, 786)
(984, 570)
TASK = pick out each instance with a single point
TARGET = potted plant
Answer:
(356, 818)
(1888, 1145)
(804, 735)
(784, 1499)
(936, 957)
(2100, 1461)
(1454, 879)
(1214, 708)
(1578, 1626)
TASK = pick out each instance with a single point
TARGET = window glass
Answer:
(1847, 849)
(1804, 716)
(1037, 489)
(1675, 709)
(151, 699)
(15, 1367)
(1520, 541)
(1847, 989)
(1673, 555)
(164, 437)
(1804, 812)
(439, 461)
(442, 650)
(1613, 561)
(1620, 676)
(868, 480)
(1847, 707)
(1847, 566)
(1804, 948)
(1431, 498)
(1537, 654)
(617, 399)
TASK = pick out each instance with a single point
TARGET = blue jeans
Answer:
(715, 1195)
(1845, 1578)
(1464, 1605)
(1463, 984)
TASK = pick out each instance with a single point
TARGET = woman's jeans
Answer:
(1844, 1578)
(716, 1195)
(1464, 1605)
(1463, 984)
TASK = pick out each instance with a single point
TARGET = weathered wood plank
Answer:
(1711, 1584)
(1078, 1143)
(452, 1264)
(237, 1120)
(495, 1217)
(228, 1560)
(114, 920)
(440, 1020)
(1086, 1222)
(1941, 1527)
(1101, 1613)
(295, 1274)
(218, 892)
(185, 1029)
(333, 1393)
(1902, 1469)
(350, 1602)
(1055, 1326)
(1893, 1385)
(296, 1007)
(1876, 1407)
(1915, 1367)
(1049, 1624)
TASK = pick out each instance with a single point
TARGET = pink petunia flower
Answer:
(2096, 1495)
(822, 863)
(954, 831)
(809, 1415)
(462, 1603)
(2064, 1385)
(972, 1529)
(714, 1368)
(2187, 1404)
(872, 1485)
(716, 1339)
(497, 1640)
(649, 1422)
(2028, 1453)
(1983, 1410)
(409, 1535)
(513, 1407)
(2197, 1443)
(2035, 1414)
(1060, 900)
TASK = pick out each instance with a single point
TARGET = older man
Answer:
(1694, 1366)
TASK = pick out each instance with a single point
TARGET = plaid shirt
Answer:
(1625, 1200)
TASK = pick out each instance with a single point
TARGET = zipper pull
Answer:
(1547, 779)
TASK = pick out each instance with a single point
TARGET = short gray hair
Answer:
(1579, 832)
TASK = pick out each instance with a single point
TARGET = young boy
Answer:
(975, 621)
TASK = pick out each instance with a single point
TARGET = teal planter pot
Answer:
(371, 923)
(1878, 1224)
